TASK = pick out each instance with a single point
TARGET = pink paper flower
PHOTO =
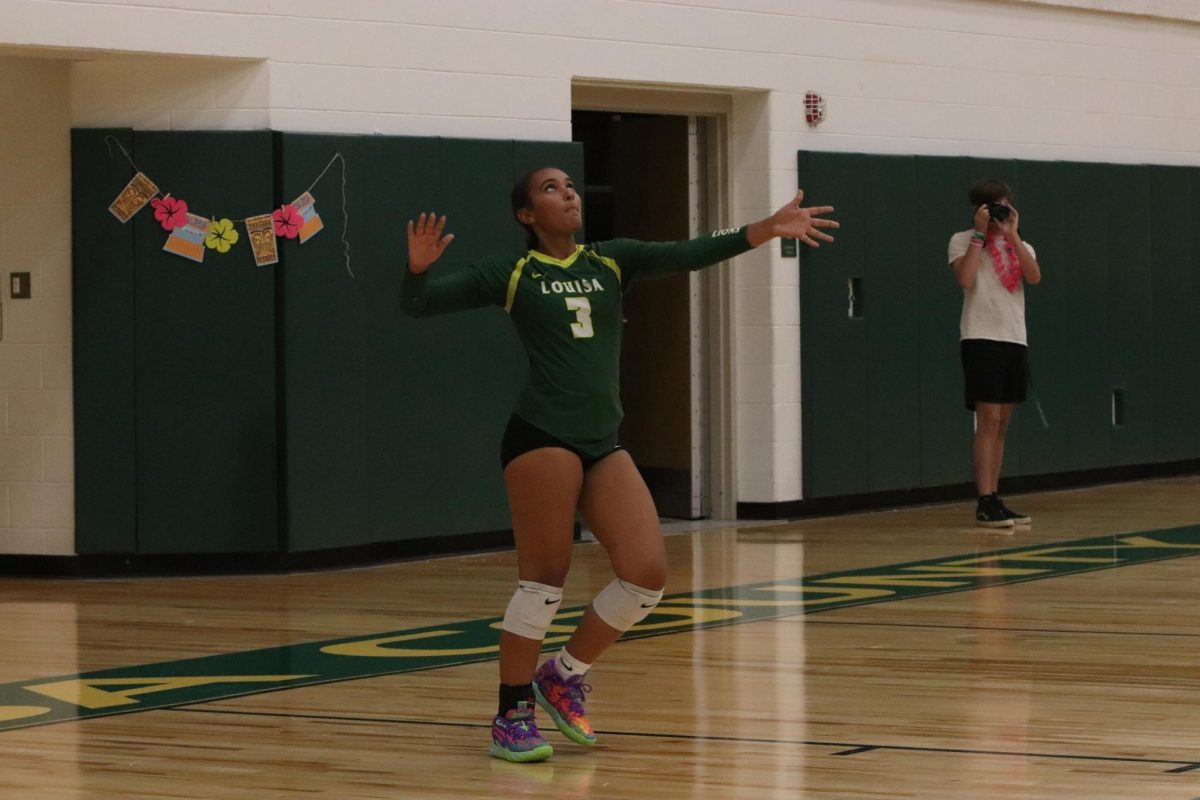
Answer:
(287, 221)
(171, 212)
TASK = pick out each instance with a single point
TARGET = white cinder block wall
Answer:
(37, 501)
(1103, 80)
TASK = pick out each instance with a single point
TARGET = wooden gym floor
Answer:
(915, 661)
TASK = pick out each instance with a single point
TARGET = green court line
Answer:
(144, 687)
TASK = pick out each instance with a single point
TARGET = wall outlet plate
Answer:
(18, 287)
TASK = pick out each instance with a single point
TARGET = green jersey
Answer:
(567, 313)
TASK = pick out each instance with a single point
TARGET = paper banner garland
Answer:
(191, 233)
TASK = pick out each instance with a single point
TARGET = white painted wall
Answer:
(1039, 79)
(37, 502)
(170, 93)
(1166, 9)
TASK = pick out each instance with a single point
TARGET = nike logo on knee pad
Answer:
(552, 602)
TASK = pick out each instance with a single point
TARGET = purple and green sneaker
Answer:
(562, 698)
(515, 736)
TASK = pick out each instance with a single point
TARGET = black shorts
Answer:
(520, 437)
(994, 372)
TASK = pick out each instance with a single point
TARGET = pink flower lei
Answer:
(1007, 265)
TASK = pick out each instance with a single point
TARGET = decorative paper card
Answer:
(306, 206)
(262, 239)
(188, 240)
(133, 197)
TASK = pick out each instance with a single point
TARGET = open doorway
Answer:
(645, 177)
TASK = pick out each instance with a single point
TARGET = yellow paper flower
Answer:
(221, 236)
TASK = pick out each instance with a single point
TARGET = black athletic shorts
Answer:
(994, 372)
(520, 437)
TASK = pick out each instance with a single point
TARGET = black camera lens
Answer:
(998, 211)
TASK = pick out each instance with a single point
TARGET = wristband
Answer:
(975, 243)
(979, 236)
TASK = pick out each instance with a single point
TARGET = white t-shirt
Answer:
(989, 310)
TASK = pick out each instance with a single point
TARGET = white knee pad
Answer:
(532, 609)
(622, 605)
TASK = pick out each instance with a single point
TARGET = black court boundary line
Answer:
(781, 613)
(850, 748)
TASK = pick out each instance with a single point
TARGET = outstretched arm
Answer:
(456, 290)
(793, 221)
(646, 260)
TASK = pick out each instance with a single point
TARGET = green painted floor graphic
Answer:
(172, 683)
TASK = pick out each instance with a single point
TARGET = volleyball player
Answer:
(560, 453)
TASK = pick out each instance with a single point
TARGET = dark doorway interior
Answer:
(636, 186)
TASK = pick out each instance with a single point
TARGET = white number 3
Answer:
(581, 328)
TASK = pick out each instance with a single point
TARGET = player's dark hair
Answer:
(520, 199)
(988, 190)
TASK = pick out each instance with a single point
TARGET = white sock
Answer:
(568, 666)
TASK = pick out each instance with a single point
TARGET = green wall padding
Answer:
(323, 337)
(1131, 310)
(393, 424)
(1174, 205)
(1038, 450)
(834, 346)
(883, 394)
(890, 294)
(227, 408)
(102, 345)
(945, 428)
(1085, 374)
(204, 347)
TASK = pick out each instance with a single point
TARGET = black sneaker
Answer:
(990, 513)
(1016, 516)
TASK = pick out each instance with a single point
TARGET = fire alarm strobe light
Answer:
(814, 108)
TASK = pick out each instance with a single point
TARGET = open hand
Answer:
(426, 242)
(795, 222)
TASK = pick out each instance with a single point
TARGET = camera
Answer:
(998, 211)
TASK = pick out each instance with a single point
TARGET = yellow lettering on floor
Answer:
(1050, 554)
(88, 694)
(915, 581)
(976, 572)
(10, 713)
(1144, 541)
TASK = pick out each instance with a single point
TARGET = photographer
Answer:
(992, 263)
